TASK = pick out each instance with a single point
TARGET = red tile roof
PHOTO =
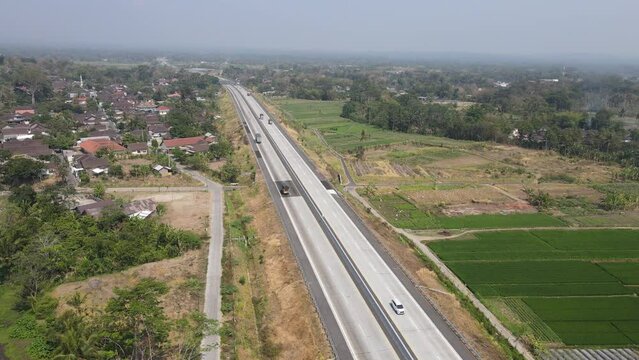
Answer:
(164, 108)
(94, 145)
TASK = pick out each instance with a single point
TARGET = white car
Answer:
(397, 307)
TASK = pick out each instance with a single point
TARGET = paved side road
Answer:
(212, 299)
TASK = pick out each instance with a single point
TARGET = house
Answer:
(90, 164)
(140, 209)
(22, 132)
(200, 147)
(162, 170)
(152, 118)
(31, 148)
(95, 209)
(81, 100)
(184, 143)
(158, 130)
(146, 106)
(174, 95)
(24, 111)
(140, 148)
(163, 110)
(18, 119)
(105, 134)
(95, 145)
(138, 134)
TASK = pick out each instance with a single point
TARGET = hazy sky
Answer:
(538, 27)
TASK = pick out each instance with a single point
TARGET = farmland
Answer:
(342, 134)
(570, 286)
(402, 213)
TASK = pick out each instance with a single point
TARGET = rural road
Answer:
(356, 278)
(212, 298)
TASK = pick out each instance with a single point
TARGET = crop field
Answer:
(582, 285)
(343, 134)
(402, 213)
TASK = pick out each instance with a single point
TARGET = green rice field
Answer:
(344, 134)
(578, 287)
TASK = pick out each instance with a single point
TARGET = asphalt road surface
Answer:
(356, 279)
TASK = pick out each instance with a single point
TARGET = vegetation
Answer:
(548, 278)
(402, 213)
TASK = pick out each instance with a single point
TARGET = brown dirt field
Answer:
(554, 189)
(291, 315)
(478, 209)
(547, 163)
(172, 272)
(184, 210)
(216, 165)
(468, 195)
(458, 162)
(449, 306)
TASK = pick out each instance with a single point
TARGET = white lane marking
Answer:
(282, 140)
(313, 265)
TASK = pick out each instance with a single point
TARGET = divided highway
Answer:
(352, 282)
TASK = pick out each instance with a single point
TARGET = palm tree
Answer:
(77, 342)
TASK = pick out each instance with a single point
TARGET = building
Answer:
(146, 106)
(140, 209)
(140, 148)
(162, 170)
(22, 132)
(93, 146)
(104, 134)
(90, 164)
(163, 110)
(185, 143)
(158, 130)
(31, 148)
(95, 209)
(24, 111)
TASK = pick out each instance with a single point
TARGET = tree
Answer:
(4, 155)
(75, 338)
(229, 172)
(99, 190)
(17, 171)
(601, 120)
(33, 78)
(23, 196)
(135, 323)
(116, 170)
(223, 148)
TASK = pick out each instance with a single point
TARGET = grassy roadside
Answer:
(268, 312)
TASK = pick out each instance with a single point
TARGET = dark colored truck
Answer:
(284, 190)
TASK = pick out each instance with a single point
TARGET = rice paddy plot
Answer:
(626, 272)
(531, 272)
(554, 289)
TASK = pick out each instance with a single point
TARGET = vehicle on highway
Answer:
(248, 94)
(397, 306)
(284, 190)
(270, 121)
(258, 138)
(261, 116)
